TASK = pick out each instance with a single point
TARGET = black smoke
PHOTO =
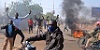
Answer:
(71, 9)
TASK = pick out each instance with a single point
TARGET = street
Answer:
(70, 43)
(81, 17)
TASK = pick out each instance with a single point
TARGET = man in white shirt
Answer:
(17, 20)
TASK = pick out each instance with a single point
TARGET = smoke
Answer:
(71, 9)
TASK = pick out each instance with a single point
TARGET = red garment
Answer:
(30, 22)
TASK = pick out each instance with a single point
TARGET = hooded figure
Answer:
(53, 37)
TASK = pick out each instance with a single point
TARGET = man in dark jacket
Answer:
(10, 29)
(53, 36)
(40, 23)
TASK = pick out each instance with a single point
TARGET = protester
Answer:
(44, 22)
(39, 22)
(93, 35)
(10, 31)
(47, 19)
(65, 28)
(57, 18)
(30, 25)
(53, 36)
(17, 20)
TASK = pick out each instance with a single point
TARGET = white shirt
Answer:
(18, 21)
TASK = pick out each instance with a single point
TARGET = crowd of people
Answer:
(53, 35)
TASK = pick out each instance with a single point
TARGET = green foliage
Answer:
(24, 7)
(50, 16)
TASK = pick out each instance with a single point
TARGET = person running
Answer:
(53, 37)
(10, 31)
(17, 20)
(30, 25)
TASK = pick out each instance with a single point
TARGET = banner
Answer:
(95, 11)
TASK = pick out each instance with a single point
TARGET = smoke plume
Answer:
(71, 9)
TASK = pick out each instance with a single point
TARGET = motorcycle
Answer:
(27, 46)
(83, 40)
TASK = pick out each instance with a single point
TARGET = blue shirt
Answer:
(9, 29)
(17, 22)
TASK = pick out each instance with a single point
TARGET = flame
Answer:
(78, 33)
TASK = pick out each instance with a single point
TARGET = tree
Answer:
(50, 16)
(36, 10)
(23, 8)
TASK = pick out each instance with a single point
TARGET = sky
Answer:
(48, 4)
(92, 3)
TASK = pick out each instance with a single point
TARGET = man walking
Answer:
(10, 31)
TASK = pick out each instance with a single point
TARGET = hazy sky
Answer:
(92, 3)
(48, 4)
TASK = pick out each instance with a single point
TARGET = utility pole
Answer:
(5, 6)
(53, 8)
(53, 4)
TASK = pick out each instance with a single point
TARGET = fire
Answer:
(78, 33)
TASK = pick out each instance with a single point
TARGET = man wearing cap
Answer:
(53, 36)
